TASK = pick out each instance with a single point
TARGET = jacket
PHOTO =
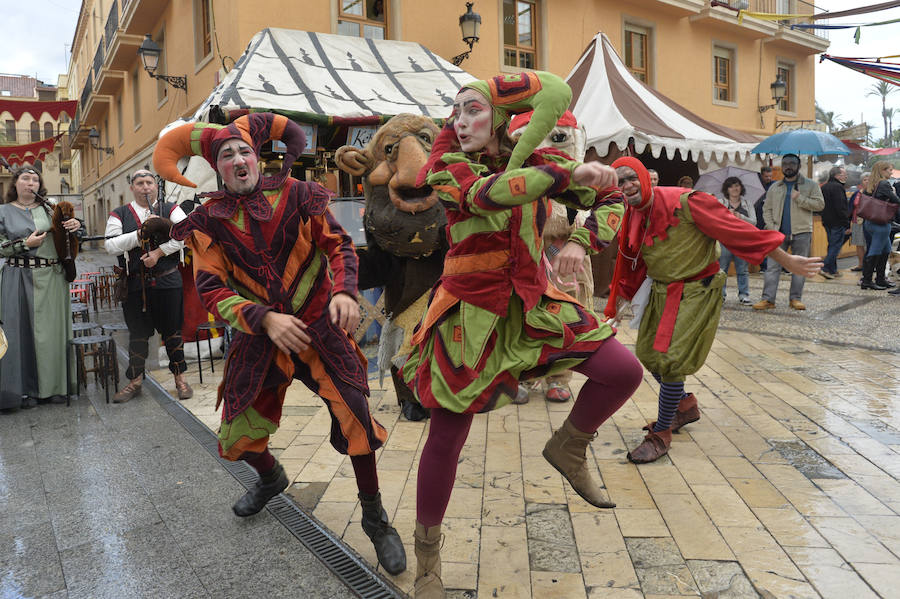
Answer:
(836, 212)
(810, 200)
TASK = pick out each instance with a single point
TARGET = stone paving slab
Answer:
(787, 486)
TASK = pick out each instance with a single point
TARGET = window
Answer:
(162, 88)
(10, 131)
(519, 32)
(35, 131)
(786, 72)
(119, 119)
(136, 96)
(202, 29)
(363, 18)
(723, 74)
(48, 130)
(637, 51)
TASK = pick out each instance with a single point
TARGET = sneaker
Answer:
(745, 301)
(826, 274)
(797, 305)
(763, 305)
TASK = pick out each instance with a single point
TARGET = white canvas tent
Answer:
(320, 74)
(615, 107)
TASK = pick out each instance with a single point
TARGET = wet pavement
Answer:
(787, 486)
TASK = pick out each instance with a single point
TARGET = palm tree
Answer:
(882, 89)
(848, 124)
(890, 112)
(828, 118)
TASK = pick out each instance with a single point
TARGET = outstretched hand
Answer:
(286, 331)
(344, 311)
(798, 265)
(596, 174)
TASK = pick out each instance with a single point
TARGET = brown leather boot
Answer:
(688, 412)
(428, 562)
(654, 446)
(567, 452)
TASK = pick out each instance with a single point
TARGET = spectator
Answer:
(686, 182)
(835, 218)
(857, 235)
(733, 198)
(879, 187)
(765, 177)
(654, 177)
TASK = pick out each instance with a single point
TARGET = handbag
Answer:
(875, 210)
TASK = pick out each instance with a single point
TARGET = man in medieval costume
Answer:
(271, 260)
(669, 234)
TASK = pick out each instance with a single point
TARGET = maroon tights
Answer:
(363, 468)
(613, 375)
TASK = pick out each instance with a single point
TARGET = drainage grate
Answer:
(338, 557)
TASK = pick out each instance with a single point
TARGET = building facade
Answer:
(696, 52)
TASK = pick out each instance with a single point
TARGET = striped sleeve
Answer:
(601, 225)
(211, 275)
(331, 238)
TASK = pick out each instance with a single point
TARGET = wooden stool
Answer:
(80, 310)
(210, 326)
(83, 329)
(105, 367)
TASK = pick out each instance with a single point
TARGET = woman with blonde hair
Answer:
(879, 187)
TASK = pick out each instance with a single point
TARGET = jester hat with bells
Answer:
(206, 139)
(544, 93)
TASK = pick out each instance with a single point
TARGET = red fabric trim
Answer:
(674, 290)
(17, 155)
(17, 108)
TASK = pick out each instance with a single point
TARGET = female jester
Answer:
(493, 317)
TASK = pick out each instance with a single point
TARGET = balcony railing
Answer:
(778, 7)
(98, 59)
(88, 88)
(112, 23)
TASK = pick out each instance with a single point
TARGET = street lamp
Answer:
(469, 24)
(779, 91)
(149, 53)
(94, 138)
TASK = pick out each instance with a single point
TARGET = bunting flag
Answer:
(17, 155)
(36, 109)
(856, 34)
(873, 67)
(767, 16)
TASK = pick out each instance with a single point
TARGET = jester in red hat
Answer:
(669, 234)
(494, 318)
(271, 260)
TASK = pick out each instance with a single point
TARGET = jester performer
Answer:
(271, 260)
(669, 234)
(493, 318)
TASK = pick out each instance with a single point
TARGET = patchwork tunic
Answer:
(494, 318)
(36, 312)
(280, 250)
(681, 255)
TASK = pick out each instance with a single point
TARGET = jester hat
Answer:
(544, 93)
(206, 139)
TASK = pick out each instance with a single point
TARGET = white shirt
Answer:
(118, 243)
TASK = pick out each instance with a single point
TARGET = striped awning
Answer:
(615, 107)
(317, 75)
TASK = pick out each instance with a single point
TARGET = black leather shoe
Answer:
(886, 284)
(414, 411)
(894, 291)
(388, 546)
(870, 285)
(274, 482)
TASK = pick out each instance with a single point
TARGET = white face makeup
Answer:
(238, 165)
(474, 122)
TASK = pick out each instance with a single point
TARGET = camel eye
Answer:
(426, 137)
(558, 138)
(388, 149)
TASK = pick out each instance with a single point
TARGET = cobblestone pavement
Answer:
(787, 486)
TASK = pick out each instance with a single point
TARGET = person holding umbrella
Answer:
(789, 208)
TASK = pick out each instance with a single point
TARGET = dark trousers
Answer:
(836, 237)
(164, 314)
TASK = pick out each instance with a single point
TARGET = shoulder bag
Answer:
(877, 211)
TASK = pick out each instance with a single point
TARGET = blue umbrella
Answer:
(801, 141)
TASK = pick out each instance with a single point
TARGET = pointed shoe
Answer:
(265, 489)
(688, 412)
(654, 446)
(388, 546)
(567, 452)
(428, 583)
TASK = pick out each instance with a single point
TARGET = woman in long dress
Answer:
(34, 298)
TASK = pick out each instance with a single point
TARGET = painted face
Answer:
(144, 188)
(26, 185)
(630, 185)
(238, 165)
(790, 167)
(474, 122)
(654, 178)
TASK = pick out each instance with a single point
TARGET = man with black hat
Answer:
(271, 260)
(789, 208)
